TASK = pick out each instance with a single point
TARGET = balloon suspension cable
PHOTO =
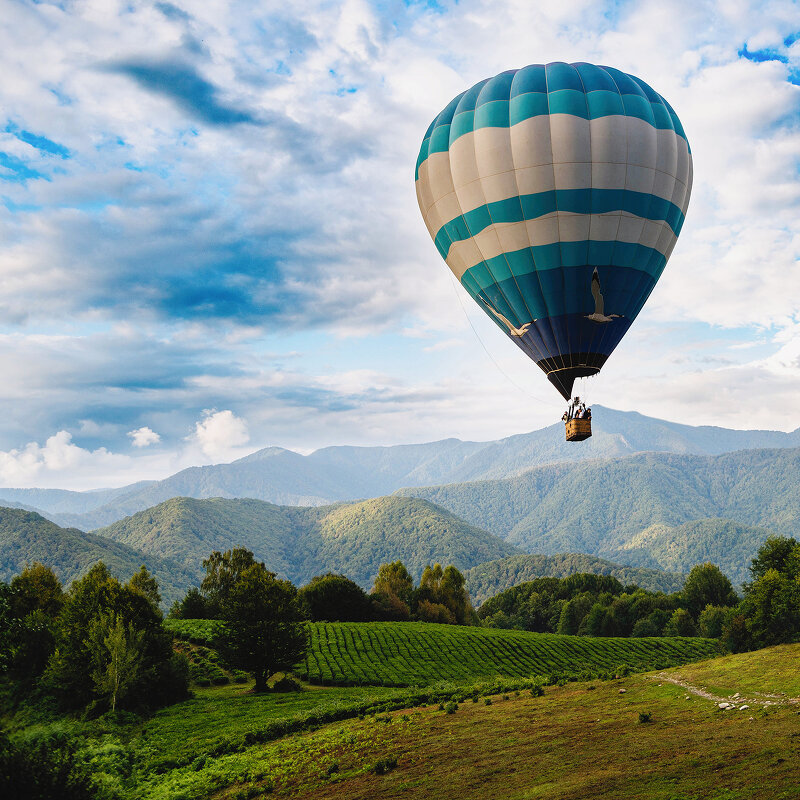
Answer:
(551, 403)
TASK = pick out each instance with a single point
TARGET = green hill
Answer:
(300, 542)
(603, 507)
(26, 537)
(493, 577)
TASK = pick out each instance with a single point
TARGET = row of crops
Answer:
(419, 653)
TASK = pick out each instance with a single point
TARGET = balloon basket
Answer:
(578, 429)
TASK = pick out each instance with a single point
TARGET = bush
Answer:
(487, 701)
(645, 716)
(451, 707)
(385, 765)
(287, 684)
(536, 690)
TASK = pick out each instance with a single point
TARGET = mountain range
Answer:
(654, 510)
(335, 474)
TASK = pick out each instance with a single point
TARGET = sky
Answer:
(210, 240)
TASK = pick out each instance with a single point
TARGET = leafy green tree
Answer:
(645, 627)
(223, 571)
(394, 579)
(735, 635)
(335, 598)
(263, 631)
(36, 588)
(711, 620)
(781, 553)
(117, 651)
(162, 677)
(35, 642)
(453, 595)
(144, 583)
(707, 585)
(771, 607)
(680, 624)
(435, 612)
(392, 591)
(193, 606)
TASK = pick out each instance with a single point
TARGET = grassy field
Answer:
(580, 740)
(417, 653)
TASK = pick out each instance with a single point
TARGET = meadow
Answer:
(640, 737)
(418, 653)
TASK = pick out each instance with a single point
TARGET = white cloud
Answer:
(143, 437)
(221, 434)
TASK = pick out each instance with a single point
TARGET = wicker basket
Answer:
(578, 429)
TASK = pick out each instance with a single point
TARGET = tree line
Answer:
(441, 595)
(767, 613)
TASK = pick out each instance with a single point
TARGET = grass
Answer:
(570, 744)
(417, 653)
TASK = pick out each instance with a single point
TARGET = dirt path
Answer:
(732, 702)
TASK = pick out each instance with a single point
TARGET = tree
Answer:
(707, 585)
(162, 677)
(781, 553)
(36, 588)
(117, 651)
(335, 598)
(223, 570)
(771, 607)
(394, 580)
(680, 624)
(263, 631)
(144, 583)
(711, 620)
(453, 595)
(193, 606)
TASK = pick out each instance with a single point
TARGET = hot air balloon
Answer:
(555, 193)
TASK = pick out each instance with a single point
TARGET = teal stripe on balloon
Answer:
(542, 258)
(574, 201)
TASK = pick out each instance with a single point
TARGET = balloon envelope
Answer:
(556, 193)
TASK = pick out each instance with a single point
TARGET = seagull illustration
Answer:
(599, 314)
(511, 329)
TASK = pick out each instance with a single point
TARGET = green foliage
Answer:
(262, 629)
(144, 583)
(487, 580)
(450, 707)
(223, 573)
(47, 768)
(582, 604)
(193, 606)
(78, 656)
(649, 510)
(680, 624)
(417, 653)
(300, 542)
(706, 585)
(117, 650)
(26, 538)
(335, 598)
(711, 621)
(781, 553)
(645, 716)
(36, 588)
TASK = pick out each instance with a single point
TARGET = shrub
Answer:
(536, 690)
(287, 684)
(487, 701)
(385, 765)
(645, 716)
(451, 707)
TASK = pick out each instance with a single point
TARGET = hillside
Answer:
(343, 473)
(298, 543)
(623, 509)
(26, 537)
(493, 577)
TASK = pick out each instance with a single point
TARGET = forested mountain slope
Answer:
(26, 537)
(635, 510)
(300, 542)
(347, 473)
